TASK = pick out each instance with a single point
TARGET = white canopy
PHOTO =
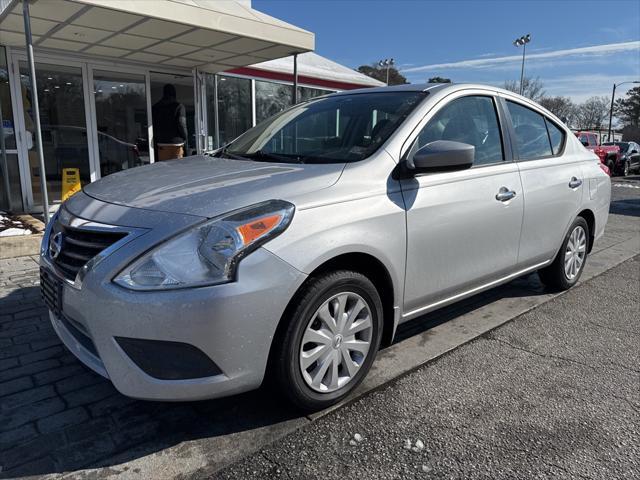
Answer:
(311, 64)
(208, 34)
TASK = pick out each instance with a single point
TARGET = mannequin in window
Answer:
(169, 125)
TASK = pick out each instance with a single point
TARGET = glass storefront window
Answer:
(183, 86)
(121, 113)
(64, 127)
(272, 98)
(5, 104)
(234, 107)
(307, 93)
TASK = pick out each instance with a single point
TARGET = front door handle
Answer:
(575, 182)
(504, 194)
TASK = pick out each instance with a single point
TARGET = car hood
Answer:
(208, 186)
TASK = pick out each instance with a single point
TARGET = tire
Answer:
(327, 292)
(612, 168)
(625, 169)
(556, 276)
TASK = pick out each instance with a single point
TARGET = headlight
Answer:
(208, 253)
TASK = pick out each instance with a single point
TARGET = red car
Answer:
(609, 154)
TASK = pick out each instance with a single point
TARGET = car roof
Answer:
(410, 87)
(428, 87)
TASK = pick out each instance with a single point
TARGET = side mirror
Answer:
(442, 156)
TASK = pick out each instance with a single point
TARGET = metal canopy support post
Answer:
(36, 108)
(295, 78)
(4, 166)
(216, 118)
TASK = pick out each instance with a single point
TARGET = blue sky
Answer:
(468, 41)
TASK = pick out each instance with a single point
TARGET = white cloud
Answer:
(595, 50)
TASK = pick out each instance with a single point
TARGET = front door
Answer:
(463, 228)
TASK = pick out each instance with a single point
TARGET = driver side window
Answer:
(472, 120)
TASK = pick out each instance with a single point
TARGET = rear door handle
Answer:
(575, 182)
(504, 194)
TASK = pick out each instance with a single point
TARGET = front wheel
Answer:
(567, 267)
(332, 337)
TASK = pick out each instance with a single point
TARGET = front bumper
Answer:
(232, 324)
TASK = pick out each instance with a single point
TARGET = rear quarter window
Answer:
(556, 135)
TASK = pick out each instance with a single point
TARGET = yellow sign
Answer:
(70, 182)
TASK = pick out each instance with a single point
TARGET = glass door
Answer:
(10, 184)
(171, 96)
(121, 120)
(61, 98)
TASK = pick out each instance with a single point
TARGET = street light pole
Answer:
(387, 62)
(613, 96)
(522, 41)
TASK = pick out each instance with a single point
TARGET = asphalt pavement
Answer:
(553, 394)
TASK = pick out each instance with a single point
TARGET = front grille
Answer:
(78, 246)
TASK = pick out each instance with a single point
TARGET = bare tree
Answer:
(532, 88)
(380, 73)
(561, 107)
(592, 113)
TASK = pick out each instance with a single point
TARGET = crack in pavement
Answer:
(613, 329)
(543, 355)
(558, 357)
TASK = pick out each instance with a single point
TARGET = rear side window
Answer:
(532, 138)
(556, 135)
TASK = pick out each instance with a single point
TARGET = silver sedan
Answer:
(295, 251)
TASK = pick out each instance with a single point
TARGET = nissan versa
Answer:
(296, 250)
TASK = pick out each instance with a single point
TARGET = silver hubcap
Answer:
(575, 252)
(336, 342)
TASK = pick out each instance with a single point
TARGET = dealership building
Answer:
(101, 65)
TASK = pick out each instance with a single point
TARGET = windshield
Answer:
(623, 145)
(341, 128)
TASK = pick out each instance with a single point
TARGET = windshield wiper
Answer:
(261, 156)
(222, 153)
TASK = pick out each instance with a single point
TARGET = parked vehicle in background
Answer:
(609, 155)
(296, 250)
(629, 158)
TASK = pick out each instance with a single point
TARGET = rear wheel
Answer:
(612, 168)
(567, 267)
(332, 337)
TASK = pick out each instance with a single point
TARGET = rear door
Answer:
(463, 228)
(551, 181)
